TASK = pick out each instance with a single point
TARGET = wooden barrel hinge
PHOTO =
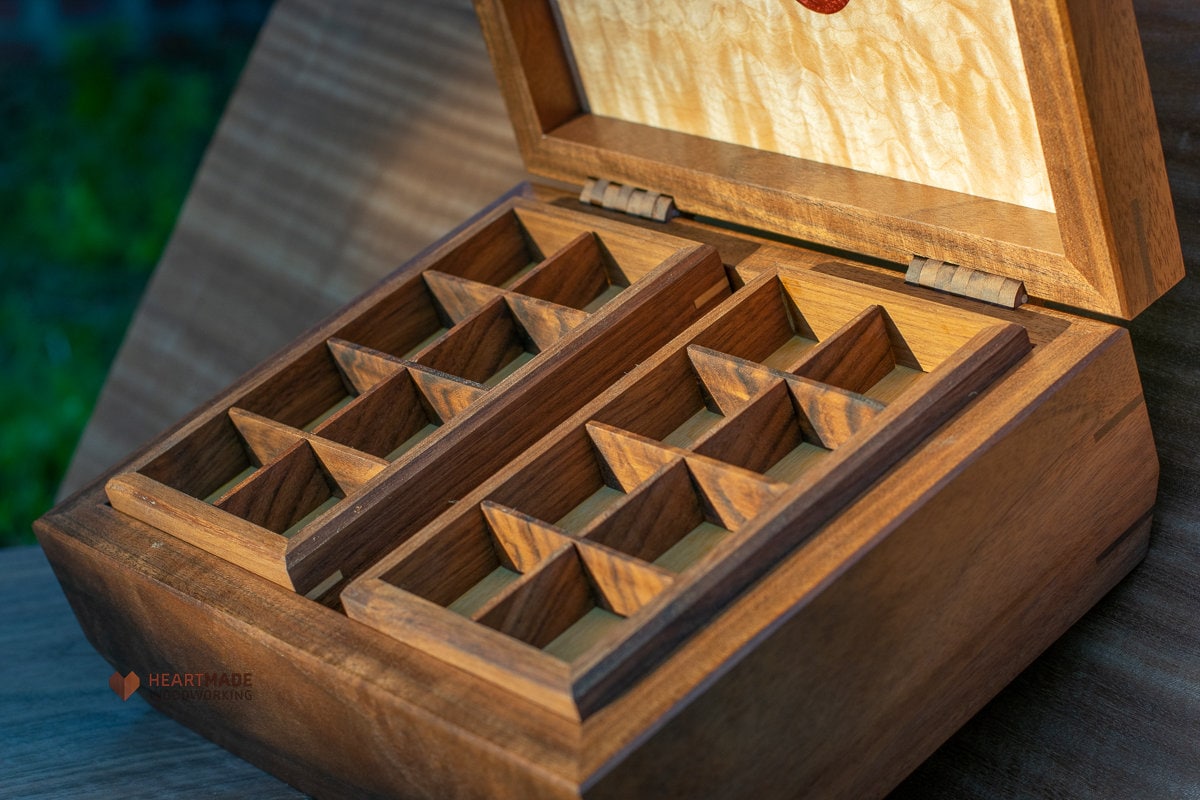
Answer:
(628, 199)
(966, 282)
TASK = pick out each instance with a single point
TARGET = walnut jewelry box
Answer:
(754, 474)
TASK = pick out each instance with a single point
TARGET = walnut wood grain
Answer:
(544, 323)
(447, 395)
(525, 541)
(624, 584)
(362, 366)
(572, 276)
(1098, 161)
(652, 517)
(380, 419)
(459, 297)
(856, 357)
(270, 439)
(1058, 730)
(281, 494)
(190, 520)
(729, 493)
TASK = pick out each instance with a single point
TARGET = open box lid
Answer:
(1017, 138)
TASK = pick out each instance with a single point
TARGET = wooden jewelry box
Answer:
(584, 504)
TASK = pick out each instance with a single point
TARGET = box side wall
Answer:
(330, 723)
(857, 687)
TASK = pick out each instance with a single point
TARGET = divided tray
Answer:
(514, 315)
(574, 571)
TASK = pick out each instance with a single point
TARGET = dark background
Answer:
(106, 107)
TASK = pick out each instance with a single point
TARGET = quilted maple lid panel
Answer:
(1013, 137)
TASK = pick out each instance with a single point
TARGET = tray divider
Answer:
(269, 439)
(625, 583)
(459, 297)
(265, 438)
(362, 366)
(731, 494)
(525, 541)
(729, 380)
(828, 414)
(628, 458)
(446, 395)
(544, 322)
(831, 415)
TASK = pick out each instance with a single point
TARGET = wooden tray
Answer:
(592, 506)
(687, 482)
(512, 317)
(821, 611)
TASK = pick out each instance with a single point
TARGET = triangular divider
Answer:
(730, 381)
(459, 297)
(544, 322)
(525, 541)
(854, 357)
(630, 459)
(447, 395)
(269, 440)
(831, 415)
(731, 494)
(362, 367)
(265, 438)
(350, 468)
(624, 584)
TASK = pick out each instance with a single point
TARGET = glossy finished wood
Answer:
(665, 505)
(1063, 728)
(1110, 245)
(129, 584)
(812, 73)
(418, 390)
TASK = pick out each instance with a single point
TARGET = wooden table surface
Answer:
(361, 132)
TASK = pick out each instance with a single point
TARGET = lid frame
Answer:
(1111, 246)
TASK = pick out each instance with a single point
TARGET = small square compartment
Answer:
(207, 464)
(485, 348)
(664, 522)
(770, 436)
(581, 275)
(285, 495)
(403, 323)
(573, 484)
(671, 404)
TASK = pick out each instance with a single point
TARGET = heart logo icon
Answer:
(124, 686)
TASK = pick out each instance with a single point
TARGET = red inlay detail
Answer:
(824, 6)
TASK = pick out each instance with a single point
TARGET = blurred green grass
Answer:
(96, 155)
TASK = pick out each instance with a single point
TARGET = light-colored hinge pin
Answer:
(628, 199)
(966, 282)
